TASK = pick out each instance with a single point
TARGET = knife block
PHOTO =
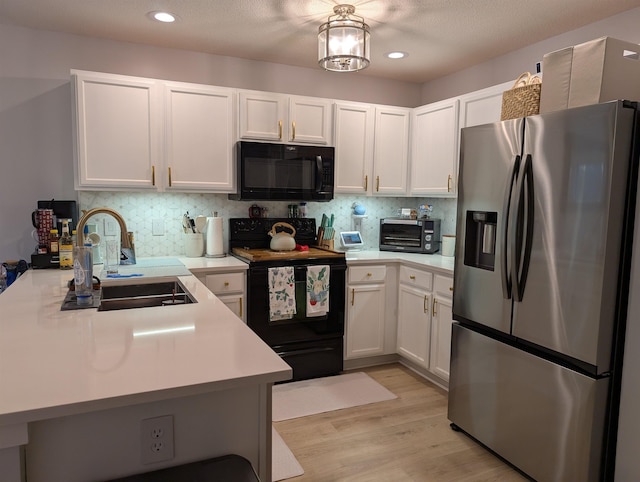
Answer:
(326, 243)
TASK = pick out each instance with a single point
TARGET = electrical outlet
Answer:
(156, 439)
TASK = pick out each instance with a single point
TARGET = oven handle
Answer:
(304, 351)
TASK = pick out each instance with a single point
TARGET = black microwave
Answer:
(284, 172)
(410, 235)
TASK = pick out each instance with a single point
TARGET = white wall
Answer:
(508, 67)
(36, 151)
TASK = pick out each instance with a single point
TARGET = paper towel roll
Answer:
(215, 248)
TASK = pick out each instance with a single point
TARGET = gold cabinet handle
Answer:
(353, 295)
(280, 129)
(369, 275)
(366, 182)
(240, 307)
(153, 175)
(412, 277)
(449, 183)
(378, 184)
(450, 288)
(293, 130)
(169, 176)
(433, 310)
(425, 304)
(226, 284)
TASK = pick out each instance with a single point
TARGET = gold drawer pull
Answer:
(153, 175)
(280, 129)
(450, 288)
(353, 295)
(293, 130)
(433, 311)
(425, 304)
(412, 277)
(226, 284)
(169, 177)
(366, 182)
(240, 307)
(378, 185)
(449, 183)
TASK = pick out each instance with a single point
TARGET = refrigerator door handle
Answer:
(521, 252)
(505, 269)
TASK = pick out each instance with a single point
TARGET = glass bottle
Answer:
(66, 247)
(53, 241)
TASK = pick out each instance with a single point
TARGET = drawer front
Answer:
(416, 277)
(367, 274)
(225, 282)
(443, 285)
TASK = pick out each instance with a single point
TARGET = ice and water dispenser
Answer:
(480, 242)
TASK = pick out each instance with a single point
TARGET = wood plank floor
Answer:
(406, 439)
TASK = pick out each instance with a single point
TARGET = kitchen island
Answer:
(75, 385)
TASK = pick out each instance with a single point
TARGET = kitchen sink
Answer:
(144, 295)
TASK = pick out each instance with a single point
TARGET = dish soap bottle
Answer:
(66, 247)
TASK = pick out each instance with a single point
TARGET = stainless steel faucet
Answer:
(127, 250)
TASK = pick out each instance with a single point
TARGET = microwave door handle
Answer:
(318, 173)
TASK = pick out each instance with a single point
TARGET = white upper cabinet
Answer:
(118, 130)
(391, 151)
(372, 144)
(136, 133)
(310, 120)
(434, 149)
(354, 147)
(273, 117)
(482, 106)
(199, 137)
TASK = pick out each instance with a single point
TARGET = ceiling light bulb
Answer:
(164, 17)
(397, 55)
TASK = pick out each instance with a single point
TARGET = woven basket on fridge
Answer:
(523, 98)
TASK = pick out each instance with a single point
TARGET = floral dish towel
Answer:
(317, 290)
(282, 295)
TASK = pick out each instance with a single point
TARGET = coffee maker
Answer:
(50, 215)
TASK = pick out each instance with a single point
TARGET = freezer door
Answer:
(579, 162)
(545, 419)
(490, 156)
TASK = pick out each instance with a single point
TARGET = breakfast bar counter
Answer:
(75, 385)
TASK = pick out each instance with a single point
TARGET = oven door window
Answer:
(279, 174)
(402, 235)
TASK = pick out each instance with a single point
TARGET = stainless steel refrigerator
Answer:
(546, 208)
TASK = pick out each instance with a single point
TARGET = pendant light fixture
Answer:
(343, 41)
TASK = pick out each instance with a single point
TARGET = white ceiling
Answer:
(441, 36)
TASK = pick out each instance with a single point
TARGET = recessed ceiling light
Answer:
(165, 17)
(397, 55)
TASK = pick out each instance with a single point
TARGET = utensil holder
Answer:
(194, 245)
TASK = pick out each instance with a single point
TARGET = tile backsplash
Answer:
(145, 213)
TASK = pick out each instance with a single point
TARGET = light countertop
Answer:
(55, 363)
(433, 261)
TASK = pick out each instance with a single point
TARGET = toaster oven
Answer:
(410, 235)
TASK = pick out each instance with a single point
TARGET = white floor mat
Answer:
(283, 463)
(308, 397)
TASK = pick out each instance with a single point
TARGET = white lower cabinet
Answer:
(229, 287)
(403, 310)
(442, 318)
(365, 323)
(414, 324)
(414, 315)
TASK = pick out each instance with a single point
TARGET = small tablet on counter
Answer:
(351, 239)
